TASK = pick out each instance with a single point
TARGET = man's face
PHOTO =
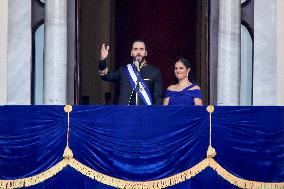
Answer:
(138, 51)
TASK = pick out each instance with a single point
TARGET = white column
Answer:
(55, 53)
(280, 54)
(3, 50)
(228, 86)
(265, 52)
(19, 52)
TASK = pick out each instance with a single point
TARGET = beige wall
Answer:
(3, 50)
(280, 54)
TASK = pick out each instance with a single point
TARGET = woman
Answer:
(184, 92)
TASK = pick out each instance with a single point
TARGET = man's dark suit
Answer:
(151, 76)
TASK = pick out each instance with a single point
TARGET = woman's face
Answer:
(180, 70)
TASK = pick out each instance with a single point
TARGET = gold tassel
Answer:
(68, 154)
(211, 152)
(67, 108)
(210, 109)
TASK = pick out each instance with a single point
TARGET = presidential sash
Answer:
(138, 84)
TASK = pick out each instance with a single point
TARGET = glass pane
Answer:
(246, 67)
(39, 45)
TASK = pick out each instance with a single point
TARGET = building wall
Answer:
(3, 50)
(19, 52)
(265, 53)
(268, 53)
(15, 51)
(280, 54)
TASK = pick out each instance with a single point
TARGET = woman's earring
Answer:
(187, 74)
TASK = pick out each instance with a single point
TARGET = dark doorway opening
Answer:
(170, 29)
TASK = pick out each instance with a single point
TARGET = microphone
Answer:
(137, 65)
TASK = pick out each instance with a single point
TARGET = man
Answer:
(140, 82)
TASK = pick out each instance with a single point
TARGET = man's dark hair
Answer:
(138, 40)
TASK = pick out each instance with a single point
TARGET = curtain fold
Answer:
(142, 143)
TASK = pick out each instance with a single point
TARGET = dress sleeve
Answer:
(168, 94)
(196, 93)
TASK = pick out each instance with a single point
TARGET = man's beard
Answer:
(139, 58)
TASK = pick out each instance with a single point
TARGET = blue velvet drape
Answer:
(142, 143)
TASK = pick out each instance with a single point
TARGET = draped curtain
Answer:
(142, 143)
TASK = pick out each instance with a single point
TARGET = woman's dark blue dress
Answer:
(183, 97)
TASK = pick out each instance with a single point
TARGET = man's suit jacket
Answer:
(151, 76)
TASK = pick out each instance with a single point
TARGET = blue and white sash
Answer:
(141, 88)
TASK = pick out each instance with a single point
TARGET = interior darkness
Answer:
(168, 28)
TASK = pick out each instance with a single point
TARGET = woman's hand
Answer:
(166, 101)
(198, 102)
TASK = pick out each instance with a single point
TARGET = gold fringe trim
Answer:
(29, 181)
(242, 183)
(155, 184)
